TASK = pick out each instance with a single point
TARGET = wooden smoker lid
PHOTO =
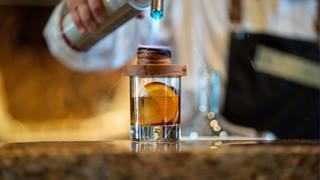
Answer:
(155, 61)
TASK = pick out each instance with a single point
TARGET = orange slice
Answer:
(159, 89)
(163, 104)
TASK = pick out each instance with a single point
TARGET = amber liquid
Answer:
(156, 110)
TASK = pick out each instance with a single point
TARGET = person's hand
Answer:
(87, 14)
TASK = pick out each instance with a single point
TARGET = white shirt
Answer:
(198, 31)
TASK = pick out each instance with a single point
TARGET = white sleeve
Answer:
(112, 52)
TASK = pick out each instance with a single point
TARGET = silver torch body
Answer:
(118, 12)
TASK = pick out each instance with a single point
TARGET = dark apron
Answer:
(265, 102)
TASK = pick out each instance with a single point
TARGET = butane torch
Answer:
(156, 9)
(118, 12)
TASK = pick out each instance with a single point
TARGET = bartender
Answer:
(252, 43)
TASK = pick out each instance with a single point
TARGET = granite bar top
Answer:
(187, 159)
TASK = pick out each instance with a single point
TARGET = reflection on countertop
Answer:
(186, 159)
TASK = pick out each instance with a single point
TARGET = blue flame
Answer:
(155, 31)
(156, 14)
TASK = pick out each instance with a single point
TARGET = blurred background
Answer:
(36, 91)
(40, 99)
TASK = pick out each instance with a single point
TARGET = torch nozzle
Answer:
(157, 9)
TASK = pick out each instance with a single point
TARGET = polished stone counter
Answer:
(123, 159)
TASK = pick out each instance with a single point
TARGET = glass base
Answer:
(155, 133)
